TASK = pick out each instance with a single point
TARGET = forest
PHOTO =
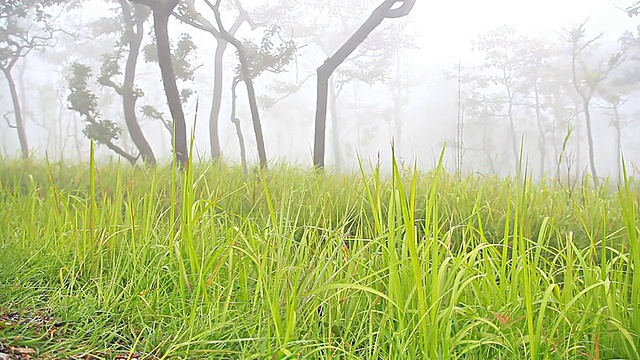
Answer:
(365, 179)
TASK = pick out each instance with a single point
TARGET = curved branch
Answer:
(325, 70)
(6, 117)
(108, 143)
(402, 10)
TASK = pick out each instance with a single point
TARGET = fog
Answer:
(459, 76)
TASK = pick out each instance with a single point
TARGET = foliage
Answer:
(83, 100)
(273, 53)
(182, 56)
(25, 28)
(634, 10)
(150, 112)
(25, 8)
(102, 131)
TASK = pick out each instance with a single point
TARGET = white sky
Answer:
(447, 26)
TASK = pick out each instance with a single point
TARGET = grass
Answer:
(150, 263)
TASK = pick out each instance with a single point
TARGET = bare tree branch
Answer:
(6, 117)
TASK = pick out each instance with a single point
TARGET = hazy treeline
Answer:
(245, 80)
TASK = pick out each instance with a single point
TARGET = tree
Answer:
(370, 63)
(478, 107)
(182, 60)
(85, 102)
(587, 78)
(490, 92)
(266, 57)
(400, 86)
(252, 66)
(324, 72)
(536, 57)
(189, 15)
(162, 10)
(132, 33)
(634, 9)
(25, 26)
(504, 69)
(236, 123)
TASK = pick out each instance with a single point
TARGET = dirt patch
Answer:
(43, 325)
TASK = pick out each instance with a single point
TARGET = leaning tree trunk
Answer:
(161, 25)
(17, 111)
(134, 38)
(161, 12)
(253, 103)
(331, 64)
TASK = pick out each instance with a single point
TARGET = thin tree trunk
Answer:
(134, 38)
(179, 137)
(253, 106)
(592, 162)
(321, 117)
(486, 143)
(236, 122)
(76, 138)
(618, 141)
(218, 77)
(579, 145)
(218, 69)
(542, 136)
(512, 123)
(17, 111)
(248, 81)
(397, 119)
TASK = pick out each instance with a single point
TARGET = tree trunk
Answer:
(134, 38)
(321, 118)
(77, 142)
(592, 161)
(253, 104)
(512, 123)
(486, 145)
(17, 111)
(397, 119)
(542, 135)
(335, 130)
(218, 69)
(161, 15)
(218, 72)
(618, 129)
(579, 144)
(236, 122)
(328, 67)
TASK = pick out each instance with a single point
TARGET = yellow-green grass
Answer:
(292, 263)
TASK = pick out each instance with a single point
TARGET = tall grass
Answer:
(210, 263)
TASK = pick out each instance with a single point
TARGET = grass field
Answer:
(118, 262)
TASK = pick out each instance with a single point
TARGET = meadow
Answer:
(119, 262)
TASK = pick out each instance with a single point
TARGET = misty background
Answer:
(482, 80)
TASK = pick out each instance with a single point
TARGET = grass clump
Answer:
(296, 264)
